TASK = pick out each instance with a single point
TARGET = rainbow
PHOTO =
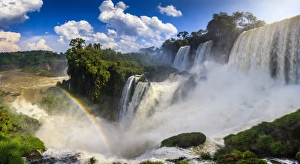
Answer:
(89, 115)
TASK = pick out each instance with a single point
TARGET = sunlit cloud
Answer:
(45, 42)
(128, 26)
(81, 29)
(8, 41)
(40, 45)
(16, 11)
(170, 11)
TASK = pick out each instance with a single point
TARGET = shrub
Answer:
(205, 156)
(151, 162)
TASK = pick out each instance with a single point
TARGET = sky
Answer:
(125, 26)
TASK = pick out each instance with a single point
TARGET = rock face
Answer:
(184, 140)
(33, 156)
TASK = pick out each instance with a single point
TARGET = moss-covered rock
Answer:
(184, 140)
(279, 138)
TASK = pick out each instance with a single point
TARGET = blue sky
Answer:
(125, 26)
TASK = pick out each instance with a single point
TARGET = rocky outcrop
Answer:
(184, 140)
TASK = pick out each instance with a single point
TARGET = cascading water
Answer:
(202, 53)
(126, 95)
(273, 48)
(131, 107)
(182, 58)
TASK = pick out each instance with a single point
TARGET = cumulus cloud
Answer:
(73, 29)
(131, 25)
(40, 45)
(8, 41)
(16, 11)
(112, 33)
(81, 29)
(170, 11)
(37, 44)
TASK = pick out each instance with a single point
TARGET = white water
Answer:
(126, 93)
(273, 48)
(182, 58)
(202, 55)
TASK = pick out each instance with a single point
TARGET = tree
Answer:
(77, 44)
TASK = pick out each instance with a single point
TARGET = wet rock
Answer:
(34, 155)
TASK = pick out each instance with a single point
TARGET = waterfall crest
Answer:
(182, 59)
(202, 53)
(274, 48)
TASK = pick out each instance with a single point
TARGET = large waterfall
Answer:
(274, 48)
(231, 97)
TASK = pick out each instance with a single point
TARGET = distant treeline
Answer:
(42, 62)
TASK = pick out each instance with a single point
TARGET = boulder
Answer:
(184, 140)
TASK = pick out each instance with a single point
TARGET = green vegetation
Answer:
(17, 136)
(237, 157)
(3, 93)
(44, 63)
(279, 138)
(182, 162)
(206, 156)
(184, 140)
(54, 101)
(150, 162)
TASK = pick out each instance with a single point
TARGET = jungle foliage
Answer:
(17, 136)
(100, 74)
(279, 138)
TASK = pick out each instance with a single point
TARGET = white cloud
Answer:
(73, 29)
(40, 45)
(61, 40)
(102, 38)
(81, 29)
(112, 33)
(15, 11)
(51, 41)
(130, 30)
(170, 11)
(127, 24)
(8, 41)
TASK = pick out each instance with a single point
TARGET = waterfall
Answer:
(126, 95)
(274, 48)
(139, 91)
(182, 59)
(202, 53)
